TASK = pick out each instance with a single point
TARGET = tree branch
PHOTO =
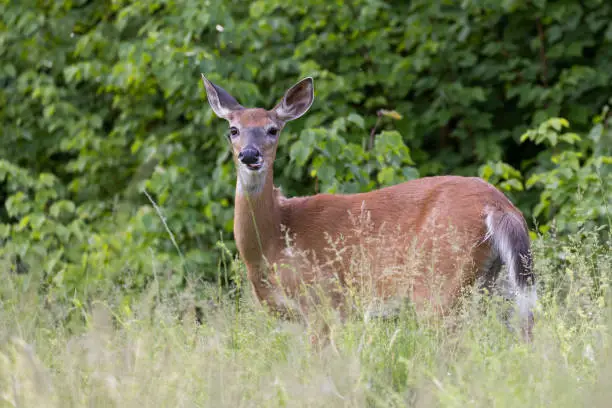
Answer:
(543, 59)
(373, 131)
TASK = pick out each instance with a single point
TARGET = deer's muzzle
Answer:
(251, 157)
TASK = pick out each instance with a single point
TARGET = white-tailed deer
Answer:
(425, 239)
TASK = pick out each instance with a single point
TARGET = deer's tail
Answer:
(509, 237)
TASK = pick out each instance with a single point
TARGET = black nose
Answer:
(249, 155)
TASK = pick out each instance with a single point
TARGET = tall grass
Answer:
(154, 352)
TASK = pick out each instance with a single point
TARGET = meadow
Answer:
(169, 349)
(107, 144)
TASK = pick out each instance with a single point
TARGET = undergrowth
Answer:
(206, 348)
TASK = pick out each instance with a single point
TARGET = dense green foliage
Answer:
(100, 101)
(116, 190)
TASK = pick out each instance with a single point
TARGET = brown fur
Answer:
(424, 239)
(444, 214)
(254, 117)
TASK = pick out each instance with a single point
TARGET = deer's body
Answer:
(424, 239)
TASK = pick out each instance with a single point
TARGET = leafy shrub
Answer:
(576, 180)
(100, 101)
(573, 175)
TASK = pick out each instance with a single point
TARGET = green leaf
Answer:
(512, 185)
(570, 138)
(410, 173)
(326, 172)
(486, 172)
(386, 176)
(531, 181)
(5, 230)
(148, 221)
(299, 152)
(357, 120)
(62, 207)
(558, 123)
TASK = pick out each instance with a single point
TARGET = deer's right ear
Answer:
(221, 102)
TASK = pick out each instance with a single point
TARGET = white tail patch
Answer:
(501, 244)
(507, 244)
(526, 299)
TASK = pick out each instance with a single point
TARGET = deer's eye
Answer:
(273, 131)
(233, 131)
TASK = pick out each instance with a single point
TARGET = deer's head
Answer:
(254, 132)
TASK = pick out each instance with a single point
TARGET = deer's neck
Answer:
(257, 220)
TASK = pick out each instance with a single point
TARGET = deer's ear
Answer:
(221, 102)
(297, 101)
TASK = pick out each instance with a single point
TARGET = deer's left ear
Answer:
(297, 101)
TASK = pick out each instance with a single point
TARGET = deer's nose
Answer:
(249, 155)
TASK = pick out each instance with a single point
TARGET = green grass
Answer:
(150, 352)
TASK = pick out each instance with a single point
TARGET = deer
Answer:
(285, 242)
